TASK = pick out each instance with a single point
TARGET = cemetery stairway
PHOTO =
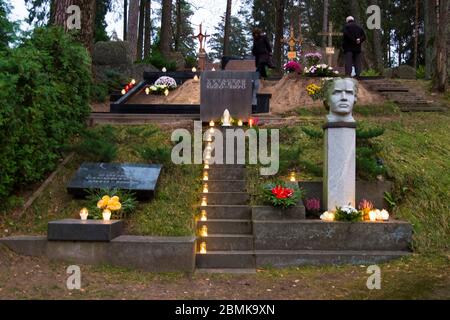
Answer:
(225, 224)
(407, 99)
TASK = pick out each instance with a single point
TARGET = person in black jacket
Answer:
(262, 50)
(354, 36)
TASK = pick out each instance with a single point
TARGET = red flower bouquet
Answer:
(282, 194)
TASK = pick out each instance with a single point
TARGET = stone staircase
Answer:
(408, 100)
(229, 242)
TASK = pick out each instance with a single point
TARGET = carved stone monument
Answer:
(340, 145)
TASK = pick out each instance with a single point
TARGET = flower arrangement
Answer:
(365, 207)
(157, 89)
(320, 70)
(282, 195)
(313, 206)
(314, 91)
(292, 66)
(313, 58)
(119, 203)
(348, 213)
(169, 82)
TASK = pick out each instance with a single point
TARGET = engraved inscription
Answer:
(230, 84)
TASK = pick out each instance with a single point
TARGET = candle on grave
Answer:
(84, 213)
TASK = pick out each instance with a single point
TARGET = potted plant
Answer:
(283, 201)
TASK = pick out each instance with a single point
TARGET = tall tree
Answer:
(377, 46)
(7, 28)
(140, 41)
(166, 26)
(87, 7)
(239, 44)
(226, 39)
(178, 25)
(325, 22)
(416, 35)
(181, 24)
(279, 33)
(133, 23)
(125, 20)
(148, 29)
(441, 76)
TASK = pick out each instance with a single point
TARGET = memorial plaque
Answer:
(220, 90)
(141, 179)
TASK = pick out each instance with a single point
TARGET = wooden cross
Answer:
(292, 41)
(202, 39)
(330, 34)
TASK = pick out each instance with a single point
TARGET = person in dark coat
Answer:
(354, 36)
(262, 50)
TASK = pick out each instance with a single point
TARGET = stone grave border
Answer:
(119, 103)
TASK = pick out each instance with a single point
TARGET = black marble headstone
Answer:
(90, 230)
(221, 90)
(142, 179)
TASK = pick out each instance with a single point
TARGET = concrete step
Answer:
(228, 212)
(226, 271)
(228, 226)
(291, 258)
(226, 260)
(226, 173)
(226, 185)
(227, 242)
(226, 198)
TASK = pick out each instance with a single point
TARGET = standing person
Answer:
(262, 50)
(354, 36)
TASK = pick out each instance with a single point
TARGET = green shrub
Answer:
(191, 62)
(98, 145)
(44, 93)
(370, 73)
(159, 61)
(99, 92)
(156, 154)
(420, 72)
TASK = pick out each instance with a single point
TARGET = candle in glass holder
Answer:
(205, 188)
(240, 123)
(84, 213)
(203, 216)
(106, 215)
(203, 247)
(372, 216)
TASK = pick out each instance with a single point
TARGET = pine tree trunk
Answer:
(377, 47)
(148, 29)
(227, 33)
(178, 26)
(430, 37)
(166, 26)
(416, 35)
(87, 7)
(140, 41)
(125, 19)
(133, 20)
(279, 31)
(440, 76)
(325, 22)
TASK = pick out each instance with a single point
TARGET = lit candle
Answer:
(84, 213)
(327, 216)
(292, 177)
(372, 216)
(205, 176)
(384, 215)
(147, 91)
(204, 231)
(206, 167)
(196, 78)
(205, 188)
(164, 69)
(204, 202)
(378, 215)
(106, 215)
(133, 82)
(194, 69)
(166, 93)
(240, 123)
(250, 122)
(203, 247)
(124, 92)
(203, 216)
(213, 69)
(211, 123)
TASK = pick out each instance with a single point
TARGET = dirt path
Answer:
(33, 278)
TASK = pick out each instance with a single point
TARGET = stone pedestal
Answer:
(339, 165)
(202, 58)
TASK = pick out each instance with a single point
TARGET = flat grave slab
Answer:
(141, 179)
(90, 230)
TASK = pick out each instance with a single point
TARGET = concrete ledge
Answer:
(271, 213)
(319, 235)
(154, 254)
(90, 230)
(284, 259)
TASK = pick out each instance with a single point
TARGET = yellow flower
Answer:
(116, 199)
(114, 206)
(103, 203)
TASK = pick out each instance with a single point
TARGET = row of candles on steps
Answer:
(128, 87)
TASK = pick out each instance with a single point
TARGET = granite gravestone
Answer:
(221, 90)
(142, 179)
